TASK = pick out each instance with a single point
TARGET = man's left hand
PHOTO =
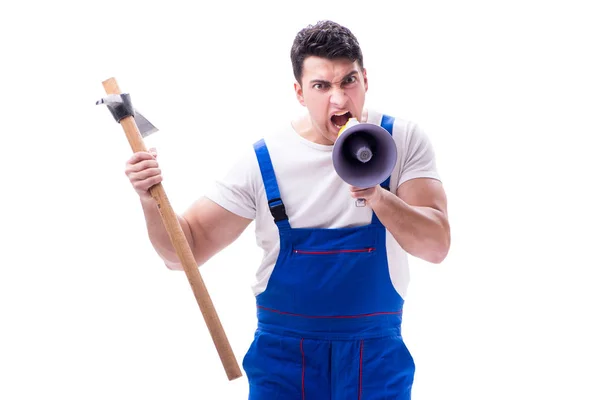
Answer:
(371, 195)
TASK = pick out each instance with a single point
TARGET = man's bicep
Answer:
(213, 228)
(424, 192)
(419, 158)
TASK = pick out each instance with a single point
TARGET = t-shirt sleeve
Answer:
(236, 189)
(419, 157)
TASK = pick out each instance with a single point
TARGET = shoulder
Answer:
(416, 156)
(274, 144)
(405, 131)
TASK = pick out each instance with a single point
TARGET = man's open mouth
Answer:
(340, 120)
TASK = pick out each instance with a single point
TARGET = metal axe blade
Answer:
(146, 128)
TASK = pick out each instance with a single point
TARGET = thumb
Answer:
(152, 151)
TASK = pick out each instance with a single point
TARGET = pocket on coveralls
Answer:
(330, 252)
(273, 366)
(388, 369)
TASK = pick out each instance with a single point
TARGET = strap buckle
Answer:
(277, 210)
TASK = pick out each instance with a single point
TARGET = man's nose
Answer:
(338, 97)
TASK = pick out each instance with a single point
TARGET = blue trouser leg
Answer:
(287, 368)
(290, 368)
(372, 369)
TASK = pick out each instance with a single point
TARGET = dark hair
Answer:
(325, 39)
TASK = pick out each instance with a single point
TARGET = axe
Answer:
(136, 127)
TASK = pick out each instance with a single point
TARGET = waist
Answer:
(332, 327)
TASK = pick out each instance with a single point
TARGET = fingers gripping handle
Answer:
(183, 250)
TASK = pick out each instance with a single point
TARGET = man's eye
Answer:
(319, 86)
(351, 79)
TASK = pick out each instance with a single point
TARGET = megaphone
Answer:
(364, 154)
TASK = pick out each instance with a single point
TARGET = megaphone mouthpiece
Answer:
(359, 148)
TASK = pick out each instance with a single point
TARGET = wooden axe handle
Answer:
(183, 250)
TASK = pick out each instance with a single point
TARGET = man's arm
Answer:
(416, 215)
(208, 228)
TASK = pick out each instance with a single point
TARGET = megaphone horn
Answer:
(364, 154)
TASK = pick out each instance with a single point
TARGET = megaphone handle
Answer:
(360, 202)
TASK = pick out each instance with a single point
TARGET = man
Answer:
(330, 287)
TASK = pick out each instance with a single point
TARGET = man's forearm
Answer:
(423, 232)
(158, 234)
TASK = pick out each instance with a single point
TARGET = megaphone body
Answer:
(364, 154)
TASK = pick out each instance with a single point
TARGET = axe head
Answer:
(120, 107)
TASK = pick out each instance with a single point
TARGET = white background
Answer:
(508, 92)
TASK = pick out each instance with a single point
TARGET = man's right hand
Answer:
(143, 172)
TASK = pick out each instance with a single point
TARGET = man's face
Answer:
(333, 91)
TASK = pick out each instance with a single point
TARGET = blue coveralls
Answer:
(329, 319)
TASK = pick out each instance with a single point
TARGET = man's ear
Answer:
(366, 81)
(299, 93)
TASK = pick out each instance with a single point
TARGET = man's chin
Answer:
(333, 132)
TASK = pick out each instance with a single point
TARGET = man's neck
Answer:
(303, 127)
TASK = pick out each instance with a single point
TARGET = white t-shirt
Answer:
(313, 194)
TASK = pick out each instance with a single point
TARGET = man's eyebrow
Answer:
(323, 81)
(320, 81)
(349, 74)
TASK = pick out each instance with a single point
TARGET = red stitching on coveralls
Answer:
(332, 316)
(360, 370)
(365, 250)
(302, 352)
